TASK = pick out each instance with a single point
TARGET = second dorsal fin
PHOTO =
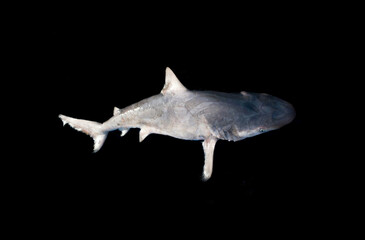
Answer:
(116, 111)
(172, 84)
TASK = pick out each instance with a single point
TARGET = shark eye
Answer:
(261, 130)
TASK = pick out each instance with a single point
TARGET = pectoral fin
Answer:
(208, 146)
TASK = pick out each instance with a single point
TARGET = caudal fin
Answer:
(93, 129)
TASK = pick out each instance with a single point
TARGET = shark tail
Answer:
(93, 129)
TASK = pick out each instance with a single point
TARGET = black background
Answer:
(89, 60)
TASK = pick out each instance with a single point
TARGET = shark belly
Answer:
(176, 121)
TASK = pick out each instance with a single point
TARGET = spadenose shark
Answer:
(193, 115)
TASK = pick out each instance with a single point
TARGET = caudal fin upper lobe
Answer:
(91, 128)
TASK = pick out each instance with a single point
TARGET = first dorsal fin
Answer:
(172, 84)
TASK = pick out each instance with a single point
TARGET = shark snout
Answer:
(283, 113)
(278, 111)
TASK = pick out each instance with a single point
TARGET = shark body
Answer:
(193, 115)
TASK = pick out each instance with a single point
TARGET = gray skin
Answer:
(194, 115)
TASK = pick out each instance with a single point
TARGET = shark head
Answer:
(279, 112)
(273, 113)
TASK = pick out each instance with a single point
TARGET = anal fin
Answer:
(123, 131)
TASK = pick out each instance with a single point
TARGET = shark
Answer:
(206, 116)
